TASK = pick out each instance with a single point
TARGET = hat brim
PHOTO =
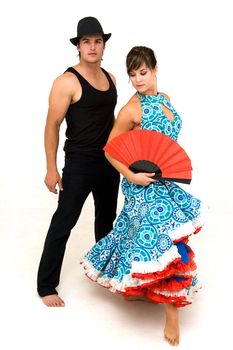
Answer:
(75, 40)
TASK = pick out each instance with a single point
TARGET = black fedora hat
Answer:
(89, 26)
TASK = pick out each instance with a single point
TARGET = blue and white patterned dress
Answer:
(146, 253)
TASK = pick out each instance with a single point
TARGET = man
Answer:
(85, 95)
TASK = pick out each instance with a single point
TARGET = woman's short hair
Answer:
(139, 55)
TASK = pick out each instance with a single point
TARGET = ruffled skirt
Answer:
(147, 252)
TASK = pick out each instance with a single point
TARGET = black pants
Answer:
(83, 173)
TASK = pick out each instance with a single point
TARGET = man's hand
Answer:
(52, 179)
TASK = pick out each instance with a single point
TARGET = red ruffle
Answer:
(172, 284)
(162, 281)
(174, 268)
(177, 301)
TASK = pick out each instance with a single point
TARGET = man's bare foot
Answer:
(171, 329)
(53, 300)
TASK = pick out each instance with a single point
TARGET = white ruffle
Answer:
(128, 281)
(188, 228)
(155, 266)
(113, 284)
(187, 292)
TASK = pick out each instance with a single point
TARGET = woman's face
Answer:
(144, 80)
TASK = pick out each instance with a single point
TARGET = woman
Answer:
(146, 253)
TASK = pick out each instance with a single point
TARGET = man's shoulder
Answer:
(65, 81)
(67, 76)
(110, 74)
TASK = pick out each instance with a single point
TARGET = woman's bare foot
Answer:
(53, 300)
(171, 329)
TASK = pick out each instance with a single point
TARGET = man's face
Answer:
(91, 48)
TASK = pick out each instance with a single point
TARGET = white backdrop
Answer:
(192, 42)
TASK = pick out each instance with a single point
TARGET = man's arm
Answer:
(59, 100)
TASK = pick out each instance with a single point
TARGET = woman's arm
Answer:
(125, 122)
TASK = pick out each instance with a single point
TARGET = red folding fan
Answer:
(152, 152)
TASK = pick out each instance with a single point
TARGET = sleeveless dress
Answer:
(147, 251)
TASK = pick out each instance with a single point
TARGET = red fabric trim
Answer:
(177, 301)
(172, 285)
(130, 291)
(159, 274)
(198, 230)
(157, 298)
(174, 268)
(159, 281)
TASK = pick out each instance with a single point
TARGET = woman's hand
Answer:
(142, 179)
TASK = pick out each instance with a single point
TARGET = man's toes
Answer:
(53, 301)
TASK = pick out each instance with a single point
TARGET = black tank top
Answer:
(90, 120)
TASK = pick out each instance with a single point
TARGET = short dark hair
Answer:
(139, 55)
(78, 40)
